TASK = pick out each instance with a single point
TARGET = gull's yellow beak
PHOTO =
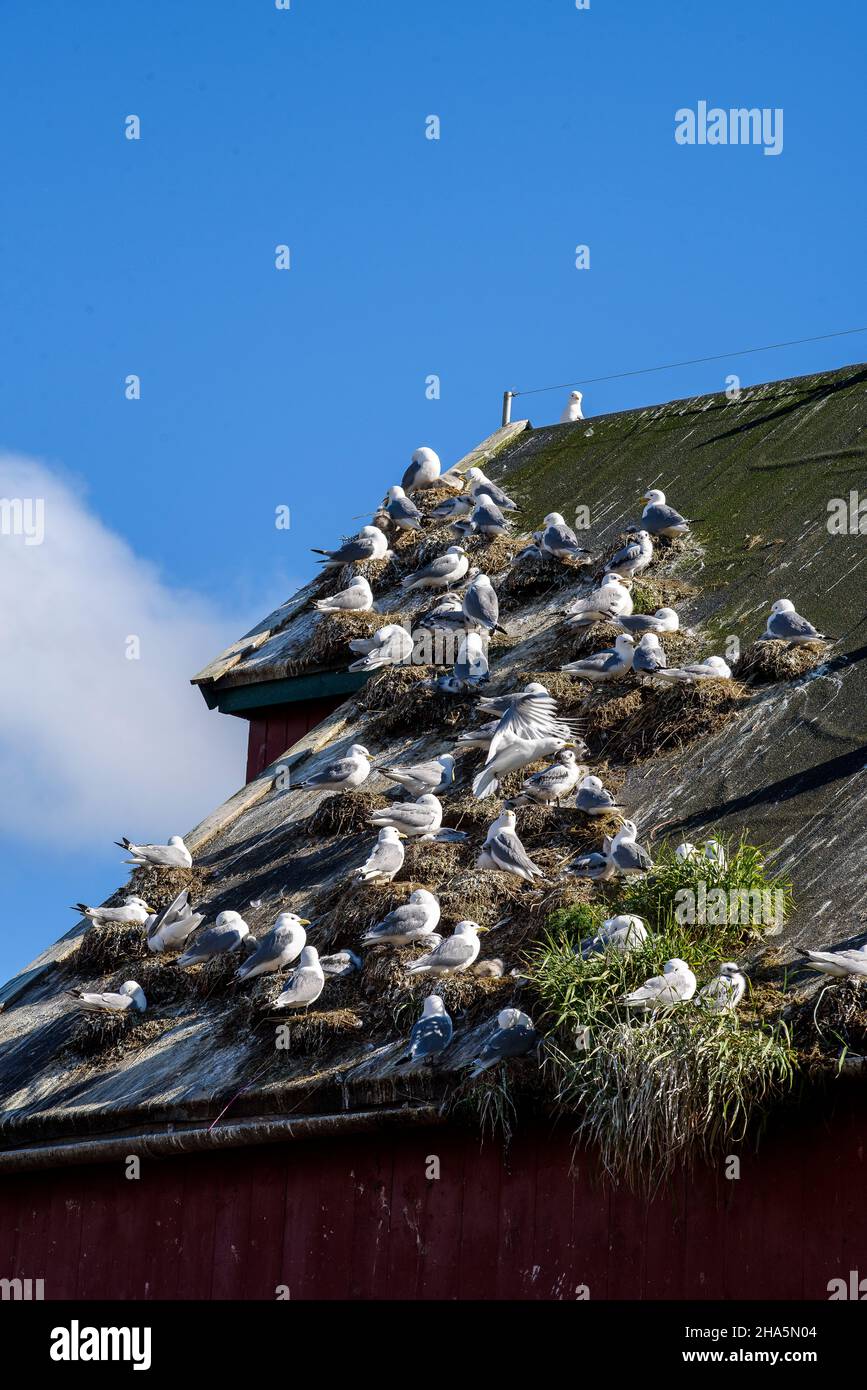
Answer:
(484, 929)
(400, 835)
(644, 499)
(304, 921)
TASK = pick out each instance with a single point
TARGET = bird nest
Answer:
(159, 885)
(344, 911)
(107, 945)
(830, 1024)
(395, 998)
(630, 724)
(492, 554)
(213, 977)
(319, 1030)
(163, 983)
(109, 1037)
(429, 861)
(343, 813)
(534, 575)
(334, 630)
(404, 701)
(653, 591)
(778, 661)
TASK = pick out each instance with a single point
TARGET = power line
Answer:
(691, 362)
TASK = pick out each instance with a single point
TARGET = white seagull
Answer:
(431, 1033)
(835, 961)
(391, 646)
(129, 996)
(608, 665)
(423, 471)
(560, 540)
(416, 820)
(305, 984)
(712, 668)
(278, 947)
(620, 934)
(785, 625)
(343, 773)
(357, 597)
(674, 986)
(553, 782)
(133, 912)
(384, 860)
(169, 929)
(634, 557)
(649, 657)
(480, 486)
(227, 934)
(636, 624)
(418, 778)
(594, 799)
(370, 544)
(607, 604)
(403, 512)
(174, 855)
(442, 572)
(513, 1036)
(627, 856)
(725, 991)
(503, 850)
(573, 409)
(412, 921)
(659, 519)
(454, 954)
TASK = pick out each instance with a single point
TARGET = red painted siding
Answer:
(357, 1218)
(277, 728)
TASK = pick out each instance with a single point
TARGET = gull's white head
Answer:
(508, 1018)
(396, 491)
(628, 830)
(642, 536)
(456, 550)
(553, 519)
(668, 616)
(649, 640)
(674, 966)
(446, 761)
(475, 475)
(481, 581)
(133, 901)
(717, 664)
(136, 994)
(358, 751)
(289, 919)
(592, 784)
(576, 395)
(421, 895)
(654, 497)
(177, 840)
(783, 605)
(535, 688)
(433, 1007)
(389, 835)
(369, 531)
(566, 757)
(229, 918)
(425, 455)
(309, 956)
(359, 582)
(623, 644)
(729, 969)
(507, 820)
(468, 928)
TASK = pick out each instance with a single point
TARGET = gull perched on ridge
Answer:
(129, 996)
(385, 859)
(503, 850)
(228, 933)
(391, 646)
(659, 519)
(134, 911)
(442, 572)
(633, 557)
(481, 486)
(370, 544)
(674, 986)
(620, 934)
(423, 471)
(712, 668)
(305, 984)
(607, 604)
(513, 1036)
(278, 947)
(174, 855)
(412, 921)
(403, 512)
(419, 819)
(637, 624)
(560, 540)
(357, 597)
(785, 625)
(553, 782)
(725, 991)
(431, 1034)
(607, 665)
(343, 773)
(573, 409)
(454, 954)
(418, 778)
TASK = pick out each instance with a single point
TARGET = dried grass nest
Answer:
(333, 632)
(109, 1037)
(632, 723)
(404, 701)
(534, 575)
(779, 661)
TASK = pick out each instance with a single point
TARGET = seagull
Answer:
(391, 646)
(835, 961)
(418, 778)
(385, 859)
(481, 605)
(674, 986)
(785, 625)
(278, 947)
(412, 921)
(634, 557)
(169, 929)
(607, 604)
(481, 486)
(471, 664)
(423, 471)
(606, 665)
(447, 616)
(404, 513)
(419, 819)
(305, 984)
(712, 668)
(715, 852)
(649, 656)
(129, 996)
(503, 850)
(513, 1036)
(553, 782)
(487, 518)
(442, 572)
(174, 855)
(431, 1034)
(560, 540)
(370, 544)
(344, 773)
(573, 409)
(516, 753)
(478, 738)
(133, 912)
(620, 934)
(530, 713)
(452, 509)
(227, 934)
(593, 799)
(357, 597)
(595, 866)
(341, 964)
(636, 624)
(627, 856)
(660, 520)
(454, 954)
(725, 991)
(686, 853)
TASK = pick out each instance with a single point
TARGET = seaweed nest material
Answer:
(111, 1036)
(343, 813)
(333, 631)
(536, 574)
(779, 661)
(107, 945)
(159, 885)
(643, 721)
(405, 701)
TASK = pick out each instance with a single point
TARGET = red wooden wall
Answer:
(277, 728)
(357, 1218)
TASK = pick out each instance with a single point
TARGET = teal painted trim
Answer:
(239, 698)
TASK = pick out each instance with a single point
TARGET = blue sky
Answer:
(410, 257)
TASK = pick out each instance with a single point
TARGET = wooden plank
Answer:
(372, 1174)
(554, 1254)
(333, 1231)
(231, 1225)
(198, 1227)
(515, 1270)
(705, 1236)
(480, 1227)
(590, 1224)
(264, 1265)
(442, 1202)
(64, 1245)
(626, 1241)
(158, 1220)
(99, 1231)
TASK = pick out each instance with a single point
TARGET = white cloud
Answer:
(94, 745)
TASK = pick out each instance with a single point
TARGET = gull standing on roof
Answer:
(357, 597)
(553, 782)
(370, 544)
(649, 656)
(305, 984)
(418, 778)
(725, 991)
(674, 986)
(620, 934)
(442, 572)
(454, 954)
(712, 668)
(391, 646)
(633, 557)
(423, 471)
(278, 947)
(414, 920)
(573, 409)
(659, 519)
(835, 961)
(227, 934)
(133, 912)
(471, 664)
(174, 855)
(785, 625)
(481, 486)
(627, 856)
(169, 929)
(416, 820)
(609, 665)
(503, 850)
(384, 860)
(343, 773)
(637, 624)
(487, 518)
(514, 1036)
(593, 799)
(431, 1034)
(482, 606)
(446, 616)
(560, 540)
(607, 604)
(403, 512)
(598, 867)
(129, 996)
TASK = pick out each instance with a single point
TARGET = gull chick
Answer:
(554, 782)
(725, 991)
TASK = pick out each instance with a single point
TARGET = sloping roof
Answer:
(758, 474)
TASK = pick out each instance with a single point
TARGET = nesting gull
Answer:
(513, 1036)
(340, 964)
(370, 544)
(431, 1033)
(384, 860)
(785, 625)
(418, 778)
(553, 782)
(608, 665)
(391, 646)
(357, 597)
(634, 557)
(169, 929)
(674, 986)
(455, 953)
(403, 512)
(482, 486)
(278, 947)
(305, 984)
(174, 855)
(712, 668)
(419, 819)
(594, 799)
(725, 991)
(228, 933)
(620, 934)
(344, 773)
(627, 856)
(659, 519)
(560, 540)
(481, 605)
(423, 471)
(636, 624)
(442, 572)
(133, 912)
(414, 920)
(649, 656)
(607, 604)
(129, 996)
(503, 850)
(487, 518)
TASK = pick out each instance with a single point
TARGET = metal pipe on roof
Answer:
(172, 1142)
(507, 407)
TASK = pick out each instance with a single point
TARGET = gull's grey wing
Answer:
(176, 909)
(337, 771)
(438, 568)
(587, 799)
(482, 605)
(385, 857)
(627, 554)
(786, 626)
(402, 509)
(454, 951)
(509, 854)
(631, 856)
(430, 1035)
(657, 517)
